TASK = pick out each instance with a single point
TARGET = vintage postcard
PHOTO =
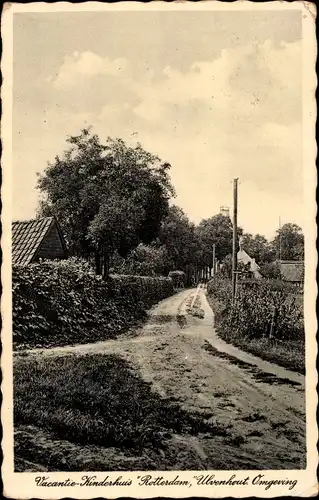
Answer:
(159, 250)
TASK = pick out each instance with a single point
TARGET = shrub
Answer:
(257, 304)
(63, 302)
(270, 270)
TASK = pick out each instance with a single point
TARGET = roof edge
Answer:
(35, 218)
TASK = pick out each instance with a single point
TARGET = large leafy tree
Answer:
(107, 197)
(216, 230)
(177, 247)
(258, 247)
(289, 242)
(182, 246)
(144, 260)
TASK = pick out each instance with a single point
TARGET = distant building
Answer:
(244, 258)
(37, 239)
(292, 271)
(224, 211)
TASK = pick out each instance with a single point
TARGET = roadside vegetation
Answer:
(129, 248)
(101, 402)
(59, 303)
(266, 319)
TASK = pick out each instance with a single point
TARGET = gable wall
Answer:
(51, 246)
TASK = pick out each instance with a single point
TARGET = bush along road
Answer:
(182, 401)
(64, 302)
(266, 319)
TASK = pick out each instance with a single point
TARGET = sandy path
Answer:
(263, 422)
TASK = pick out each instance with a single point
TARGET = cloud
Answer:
(245, 85)
(238, 115)
(86, 65)
(150, 110)
(258, 83)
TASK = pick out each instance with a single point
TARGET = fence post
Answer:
(273, 323)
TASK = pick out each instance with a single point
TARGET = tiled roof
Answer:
(292, 271)
(27, 237)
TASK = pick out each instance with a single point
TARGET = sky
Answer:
(215, 94)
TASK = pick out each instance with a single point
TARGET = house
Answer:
(292, 271)
(244, 258)
(37, 239)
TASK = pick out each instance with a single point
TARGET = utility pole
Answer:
(279, 239)
(234, 260)
(214, 257)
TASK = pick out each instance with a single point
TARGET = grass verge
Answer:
(258, 375)
(96, 400)
(288, 354)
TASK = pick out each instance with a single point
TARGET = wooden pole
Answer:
(279, 240)
(234, 259)
(214, 257)
(273, 322)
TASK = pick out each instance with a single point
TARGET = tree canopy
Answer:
(258, 247)
(177, 236)
(112, 201)
(107, 197)
(216, 230)
(144, 260)
(289, 242)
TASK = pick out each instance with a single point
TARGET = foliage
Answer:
(226, 269)
(106, 197)
(220, 288)
(289, 242)
(101, 402)
(257, 304)
(176, 247)
(270, 270)
(216, 230)
(177, 235)
(145, 260)
(112, 202)
(56, 303)
(258, 247)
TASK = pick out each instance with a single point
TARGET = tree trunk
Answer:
(97, 258)
(106, 264)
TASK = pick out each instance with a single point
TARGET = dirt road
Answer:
(260, 406)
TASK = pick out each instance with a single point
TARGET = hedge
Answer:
(63, 302)
(256, 302)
